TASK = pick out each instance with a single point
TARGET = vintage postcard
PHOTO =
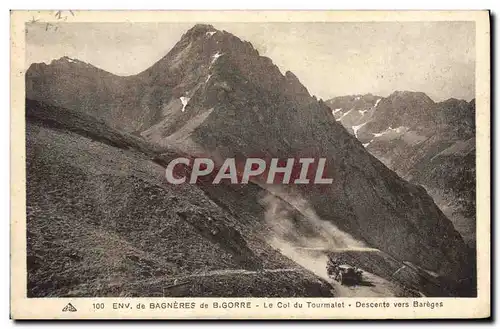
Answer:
(250, 164)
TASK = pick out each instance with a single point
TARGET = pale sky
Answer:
(330, 59)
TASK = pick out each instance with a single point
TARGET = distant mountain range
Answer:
(427, 143)
(99, 142)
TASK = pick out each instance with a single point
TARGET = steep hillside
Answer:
(103, 222)
(428, 143)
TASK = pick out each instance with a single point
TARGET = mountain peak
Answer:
(205, 54)
(201, 46)
(66, 66)
(455, 102)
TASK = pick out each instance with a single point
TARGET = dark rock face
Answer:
(212, 94)
(428, 143)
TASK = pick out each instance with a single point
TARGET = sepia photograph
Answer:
(333, 160)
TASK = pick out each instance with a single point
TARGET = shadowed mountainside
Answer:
(102, 221)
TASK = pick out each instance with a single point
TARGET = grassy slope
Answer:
(102, 222)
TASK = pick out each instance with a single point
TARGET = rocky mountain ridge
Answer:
(428, 143)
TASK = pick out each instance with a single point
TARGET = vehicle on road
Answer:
(343, 273)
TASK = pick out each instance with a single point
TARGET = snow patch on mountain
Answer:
(383, 132)
(367, 144)
(336, 111)
(216, 56)
(184, 101)
(210, 33)
(378, 101)
(356, 128)
(362, 112)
